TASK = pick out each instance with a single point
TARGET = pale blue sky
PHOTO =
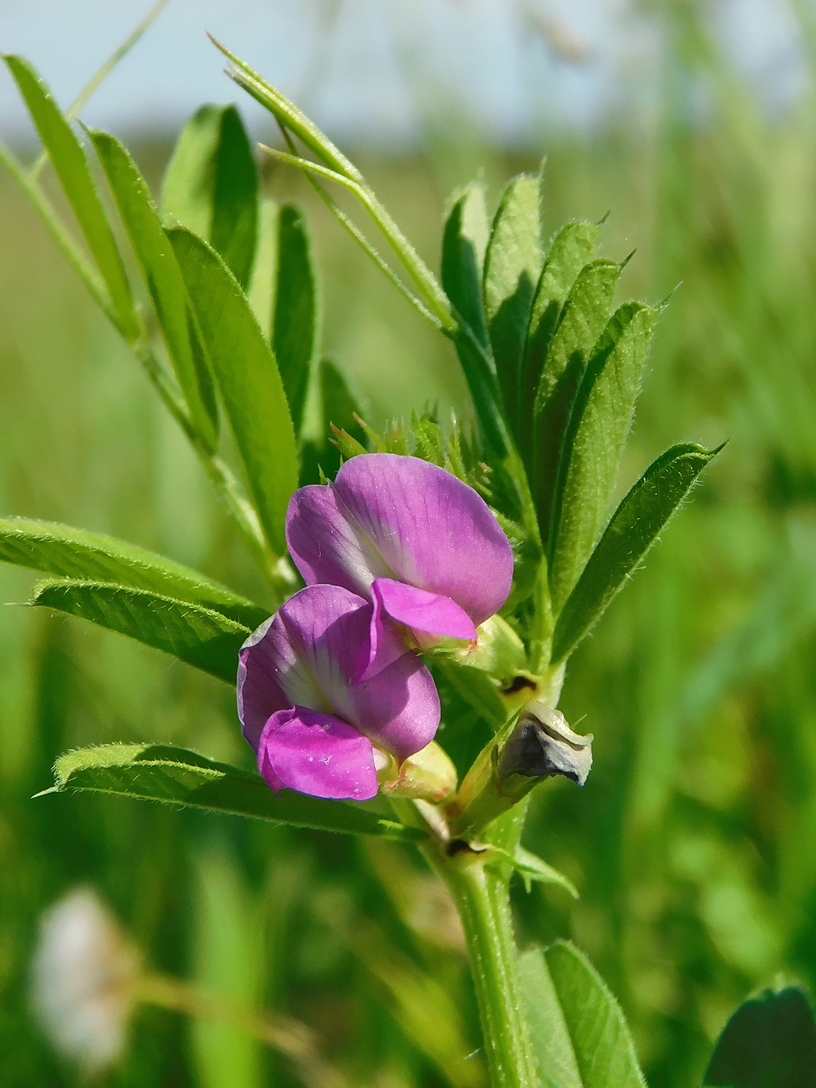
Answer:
(380, 63)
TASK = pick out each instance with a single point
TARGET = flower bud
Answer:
(543, 745)
(537, 744)
(429, 775)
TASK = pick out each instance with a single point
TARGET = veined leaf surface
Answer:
(161, 772)
(632, 530)
(164, 281)
(78, 554)
(579, 1035)
(200, 636)
(248, 380)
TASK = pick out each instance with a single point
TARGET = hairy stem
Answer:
(482, 896)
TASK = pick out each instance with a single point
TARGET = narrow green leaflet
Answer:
(579, 1035)
(75, 553)
(512, 268)
(584, 315)
(71, 165)
(586, 312)
(261, 291)
(533, 868)
(633, 529)
(164, 281)
(294, 335)
(463, 251)
(200, 636)
(234, 232)
(769, 1042)
(571, 249)
(211, 186)
(599, 424)
(248, 380)
(159, 772)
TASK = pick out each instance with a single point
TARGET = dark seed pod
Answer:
(543, 745)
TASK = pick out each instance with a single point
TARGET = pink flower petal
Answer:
(316, 754)
(307, 655)
(423, 611)
(389, 516)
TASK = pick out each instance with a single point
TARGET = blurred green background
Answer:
(693, 843)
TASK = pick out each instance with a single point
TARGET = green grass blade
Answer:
(579, 1034)
(71, 165)
(164, 281)
(769, 1042)
(295, 325)
(633, 529)
(248, 380)
(159, 772)
(75, 553)
(513, 264)
(200, 636)
(599, 424)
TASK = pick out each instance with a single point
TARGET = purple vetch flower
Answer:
(314, 727)
(418, 543)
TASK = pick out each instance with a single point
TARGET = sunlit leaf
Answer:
(164, 281)
(633, 529)
(513, 264)
(200, 636)
(160, 772)
(769, 1042)
(75, 553)
(248, 380)
(71, 165)
(585, 313)
(571, 249)
(579, 1034)
(294, 333)
(211, 186)
(599, 424)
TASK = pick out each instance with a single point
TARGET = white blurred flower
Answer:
(84, 971)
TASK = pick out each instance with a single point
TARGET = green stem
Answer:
(482, 896)
(481, 892)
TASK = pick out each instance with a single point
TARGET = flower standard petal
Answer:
(391, 516)
(325, 545)
(317, 754)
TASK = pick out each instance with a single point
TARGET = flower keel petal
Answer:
(317, 754)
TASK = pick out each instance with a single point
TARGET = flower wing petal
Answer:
(399, 707)
(428, 529)
(317, 754)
